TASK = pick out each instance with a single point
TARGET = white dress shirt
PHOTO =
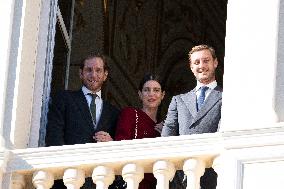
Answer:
(210, 86)
(98, 101)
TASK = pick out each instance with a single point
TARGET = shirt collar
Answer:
(86, 91)
(211, 85)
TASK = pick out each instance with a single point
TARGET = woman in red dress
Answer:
(134, 123)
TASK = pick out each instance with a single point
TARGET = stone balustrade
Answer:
(102, 161)
(39, 167)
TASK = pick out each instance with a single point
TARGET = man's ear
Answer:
(189, 65)
(105, 75)
(215, 63)
(163, 94)
(80, 73)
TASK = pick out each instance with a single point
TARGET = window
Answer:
(59, 50)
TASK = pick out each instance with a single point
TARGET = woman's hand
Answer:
(159, 127)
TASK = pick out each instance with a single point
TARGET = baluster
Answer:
(133, 175)
(42, 180)
(102, 176)
(164, 171)
(18, 181)
(73, 178)
(194, 169)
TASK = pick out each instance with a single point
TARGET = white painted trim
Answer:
(48, 71)
(14, 117)
(42, 66)
(279, 83)
(18, 130)
(6, 20)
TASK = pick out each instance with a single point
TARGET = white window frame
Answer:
(55, 17)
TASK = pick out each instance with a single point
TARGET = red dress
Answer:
(125, 130)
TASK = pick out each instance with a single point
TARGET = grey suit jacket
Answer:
(183, 118)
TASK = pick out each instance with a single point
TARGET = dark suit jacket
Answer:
(70, 121)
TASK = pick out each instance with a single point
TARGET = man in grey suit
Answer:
(82, 116)
(198, 111)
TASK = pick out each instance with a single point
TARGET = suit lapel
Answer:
(211, 100)
(190, 102)
(82, 104)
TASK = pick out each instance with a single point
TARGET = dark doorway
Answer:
(142, 36)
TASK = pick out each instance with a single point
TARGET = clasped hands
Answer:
(102, 136)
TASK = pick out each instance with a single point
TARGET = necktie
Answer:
(93, 107)
(201, 97)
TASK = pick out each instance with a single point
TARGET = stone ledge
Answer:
(143, 151)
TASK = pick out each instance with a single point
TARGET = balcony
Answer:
(227, 152)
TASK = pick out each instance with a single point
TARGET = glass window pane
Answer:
(59, 61)
(65, 9)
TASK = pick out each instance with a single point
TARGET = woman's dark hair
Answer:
(149, 77)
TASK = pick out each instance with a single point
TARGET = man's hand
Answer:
(102, 136)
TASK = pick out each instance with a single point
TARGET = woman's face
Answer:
(151, 94)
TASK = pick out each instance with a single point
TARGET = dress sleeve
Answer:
(125, 125)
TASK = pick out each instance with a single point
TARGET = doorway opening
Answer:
(138, 37)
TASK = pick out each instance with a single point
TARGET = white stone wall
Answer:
(6, 20)
(263, 175)
(279, 92)
(250, 65)
(253, 100)
(22, 54)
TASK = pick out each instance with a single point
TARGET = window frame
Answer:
(55, 17)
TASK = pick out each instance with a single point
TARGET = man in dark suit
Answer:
(198, 111)
(79, 117)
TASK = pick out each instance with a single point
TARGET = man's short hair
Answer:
(200, 48)
(96, 55)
